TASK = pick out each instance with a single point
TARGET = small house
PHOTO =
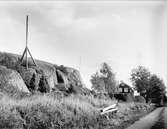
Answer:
(124, 88)
(124, 92)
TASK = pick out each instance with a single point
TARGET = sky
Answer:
(83, 35)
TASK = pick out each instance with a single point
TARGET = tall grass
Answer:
(47, 112)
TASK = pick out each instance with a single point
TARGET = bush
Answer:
(124, 97)
(129, 97)
(140, 99)
(10, 118)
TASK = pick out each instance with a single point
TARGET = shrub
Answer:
(10, 119)
(124, 97)
(140, 99)
(129, 97)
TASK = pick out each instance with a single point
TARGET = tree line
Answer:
(148, 84)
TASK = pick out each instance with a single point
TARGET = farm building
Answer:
(124, 88)
(124, 92)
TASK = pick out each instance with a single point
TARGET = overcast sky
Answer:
(85, 34)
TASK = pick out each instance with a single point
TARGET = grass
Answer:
(73, 112)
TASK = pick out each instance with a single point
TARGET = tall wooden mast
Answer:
(26, 50)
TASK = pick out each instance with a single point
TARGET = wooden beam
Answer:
(26, 30)
(31, 57)
(27, 51)
(22, 57)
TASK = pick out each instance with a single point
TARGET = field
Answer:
(51, 111)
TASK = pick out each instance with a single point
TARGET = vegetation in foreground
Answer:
(51, 111)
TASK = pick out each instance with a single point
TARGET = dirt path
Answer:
(165, 118)
(154, 120)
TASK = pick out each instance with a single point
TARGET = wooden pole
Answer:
(27, 51)
(26, 31)
(26, 41)
(31, 57)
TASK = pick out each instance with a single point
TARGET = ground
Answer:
(155, 120)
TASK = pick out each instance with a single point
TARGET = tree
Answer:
(97, 83)
(105, 81)
(157, 89)
(108, 77)
(140, 78)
